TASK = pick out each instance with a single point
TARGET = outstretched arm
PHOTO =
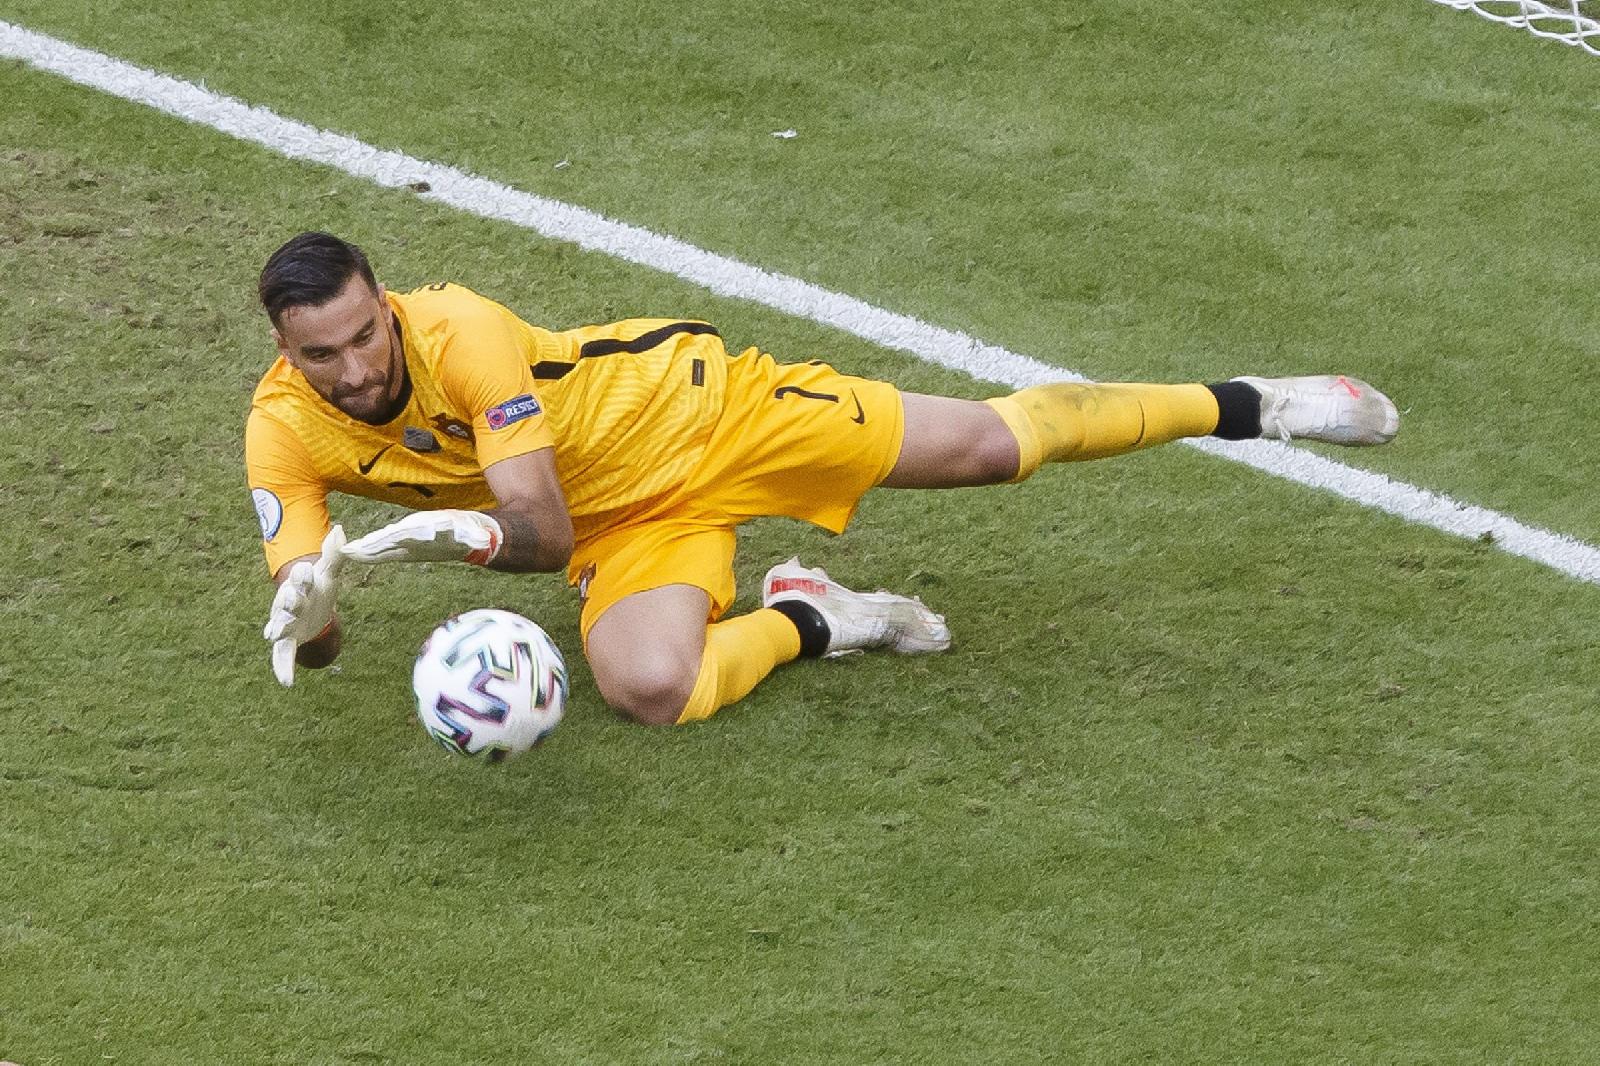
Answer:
(530, 530)
(533, 517)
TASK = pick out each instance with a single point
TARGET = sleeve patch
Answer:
(513, 410)
(270, 510)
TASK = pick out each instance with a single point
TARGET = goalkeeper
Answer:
(626, 454)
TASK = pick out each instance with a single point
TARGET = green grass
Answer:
(1221, 769)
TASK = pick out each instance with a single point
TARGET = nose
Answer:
(353, 374)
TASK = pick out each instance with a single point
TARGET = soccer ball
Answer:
(490, 683)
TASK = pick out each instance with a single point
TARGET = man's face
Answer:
(347, 350)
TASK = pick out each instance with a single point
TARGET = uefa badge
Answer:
(269, 510)
(513, 410)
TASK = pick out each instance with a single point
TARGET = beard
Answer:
(379, 397)
(366, 401)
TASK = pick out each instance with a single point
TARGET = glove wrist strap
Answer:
(484, 556)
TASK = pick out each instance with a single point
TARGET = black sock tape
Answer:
(1238, 411)
(808, 620)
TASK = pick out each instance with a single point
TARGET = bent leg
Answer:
(645, 651)
(656, 660)
(739, 653)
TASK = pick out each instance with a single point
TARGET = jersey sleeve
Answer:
(289, 496)
(484, 370)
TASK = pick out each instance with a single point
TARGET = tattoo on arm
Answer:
(519, 550)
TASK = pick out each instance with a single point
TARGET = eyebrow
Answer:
(323, 349)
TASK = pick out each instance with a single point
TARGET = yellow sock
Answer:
(1066, 422)
(739, 653)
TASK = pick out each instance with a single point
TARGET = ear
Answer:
(283, 345)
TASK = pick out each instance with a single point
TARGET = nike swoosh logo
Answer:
(366, 467)
(861, 416)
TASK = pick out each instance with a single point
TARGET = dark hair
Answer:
(308, 271)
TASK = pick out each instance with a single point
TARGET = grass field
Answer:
(1220, 769)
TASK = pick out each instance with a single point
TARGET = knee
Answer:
(653, 689)
(995, 454)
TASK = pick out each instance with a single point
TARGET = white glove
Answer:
(303, 607)
(431, 537)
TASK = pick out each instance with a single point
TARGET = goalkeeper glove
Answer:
(303, 608)
(431, 537)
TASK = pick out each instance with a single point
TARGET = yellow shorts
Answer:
(799, 440)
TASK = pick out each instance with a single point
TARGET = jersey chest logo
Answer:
(453, 426)
(415, 439)
(420, 440)
(366, 467)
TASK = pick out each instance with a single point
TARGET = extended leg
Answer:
(950, 442)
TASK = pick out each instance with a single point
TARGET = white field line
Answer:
(728, 277)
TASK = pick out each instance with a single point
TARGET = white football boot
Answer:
(1335, 409)
(858, 620)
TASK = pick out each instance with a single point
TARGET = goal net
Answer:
(1575, 22)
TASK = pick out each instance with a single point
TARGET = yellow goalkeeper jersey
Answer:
(628, 407)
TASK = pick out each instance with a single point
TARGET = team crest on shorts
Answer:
(513, 410)
(584, 577)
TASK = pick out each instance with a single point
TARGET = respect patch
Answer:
(513, 410)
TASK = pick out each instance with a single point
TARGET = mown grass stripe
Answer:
(729, 277)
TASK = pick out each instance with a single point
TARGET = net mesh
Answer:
(1574, 22)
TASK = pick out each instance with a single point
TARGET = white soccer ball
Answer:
(489, 682)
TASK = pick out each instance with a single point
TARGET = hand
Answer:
(303, 608)
(431, 537)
